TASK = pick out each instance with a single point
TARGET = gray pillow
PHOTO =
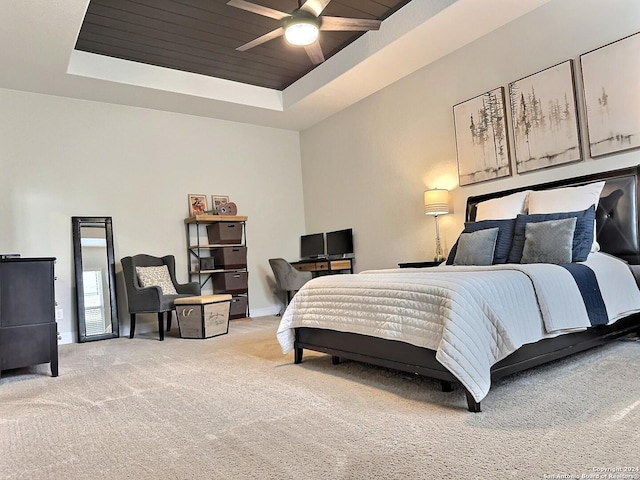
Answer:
(476, 248)
(549, 242)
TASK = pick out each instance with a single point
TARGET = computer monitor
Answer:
(312, 246)
(340, 242)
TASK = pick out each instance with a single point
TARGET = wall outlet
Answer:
(59, 314)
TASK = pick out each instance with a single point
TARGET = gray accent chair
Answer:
(151, 299)
(288, 278)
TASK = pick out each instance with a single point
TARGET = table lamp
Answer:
(436, 202)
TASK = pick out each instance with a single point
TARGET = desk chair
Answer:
(288, 278)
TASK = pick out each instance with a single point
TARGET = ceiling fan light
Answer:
(301, 33)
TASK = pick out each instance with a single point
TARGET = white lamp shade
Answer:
(301, 33)
(436, 201)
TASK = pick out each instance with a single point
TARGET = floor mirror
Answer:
(95, 278)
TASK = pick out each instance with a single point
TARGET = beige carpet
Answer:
(234, 407)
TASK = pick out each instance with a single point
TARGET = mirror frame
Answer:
(77, 224)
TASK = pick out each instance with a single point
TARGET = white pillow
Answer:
(509, 206)
(156, 277)
(567, 199)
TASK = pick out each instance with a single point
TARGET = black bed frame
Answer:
(618, 231)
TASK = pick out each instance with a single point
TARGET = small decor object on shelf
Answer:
(218, 201)
(610, 76)
(228, 209)
(197, 204)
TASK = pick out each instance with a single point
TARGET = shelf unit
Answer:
(208, 261)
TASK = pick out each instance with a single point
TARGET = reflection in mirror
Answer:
(95, 278)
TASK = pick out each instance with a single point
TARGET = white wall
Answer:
(61, 157)
(367, 166)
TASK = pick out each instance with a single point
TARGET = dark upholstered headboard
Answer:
(617, 221)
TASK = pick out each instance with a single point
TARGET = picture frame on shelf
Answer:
(218, 200)
(197, 204)
(610, 79)
(482, 145)
(544, 118)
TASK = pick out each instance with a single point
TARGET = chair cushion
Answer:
(156, 277)
(202, 299)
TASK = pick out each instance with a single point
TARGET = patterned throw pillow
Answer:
(549, 242)
(503, 242)
(476, 248)
(156, 277)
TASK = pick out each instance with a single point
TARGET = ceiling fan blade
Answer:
(315, 52)
(259, 9)
(314, 7)
(260, 40)
(344, 23)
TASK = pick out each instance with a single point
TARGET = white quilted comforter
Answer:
(471, 316)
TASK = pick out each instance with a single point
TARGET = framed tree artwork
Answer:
(611, 79)
(482, 145)
(544, 116)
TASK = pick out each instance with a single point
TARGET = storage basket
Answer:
(203, 316)
(238, 308)
(228, 258)
(230, 282)
(224, 233)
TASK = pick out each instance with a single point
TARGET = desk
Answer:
(325, 266)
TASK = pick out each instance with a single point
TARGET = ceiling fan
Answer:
(302, 26)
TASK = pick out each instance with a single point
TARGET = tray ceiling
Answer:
(38, 54)
(201, 36)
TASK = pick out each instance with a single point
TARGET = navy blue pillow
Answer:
(503, 242)
(582, 236)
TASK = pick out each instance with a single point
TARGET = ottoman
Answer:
(203, 316)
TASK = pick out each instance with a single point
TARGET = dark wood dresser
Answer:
(28, 330)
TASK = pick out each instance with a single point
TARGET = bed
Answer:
(472, 325)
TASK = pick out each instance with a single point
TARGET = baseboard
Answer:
(266, 311)
(145, 327)
(66, 337)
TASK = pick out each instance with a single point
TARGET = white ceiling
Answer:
(36, 55)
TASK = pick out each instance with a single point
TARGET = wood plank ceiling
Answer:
(201, 36)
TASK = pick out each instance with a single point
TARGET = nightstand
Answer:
(419, 264)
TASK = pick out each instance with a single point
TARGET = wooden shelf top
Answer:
(215, 218)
